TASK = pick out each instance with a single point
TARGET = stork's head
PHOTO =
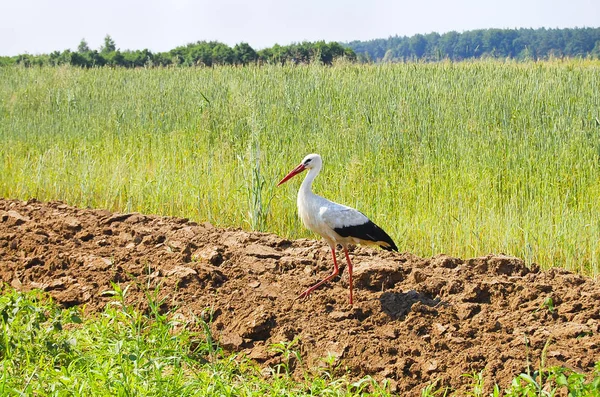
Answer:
(308, 162)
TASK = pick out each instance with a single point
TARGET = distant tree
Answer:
(222, 54)
(53, 58)
(417, 45)
(525, 54)
(322, 53)
(136, 59)
(95, 58)
(364, 57)
(338, 51)
(498, 42)
(402, 48)
(109, 45)
(350, 55)
(114, 58)
(83, 46)
(6, 61)
(514, 43)
(244, 54)
(25, 60)
(491, 42)
(376, 48)
(448, 42)
(577, 43)
(301, 53)
(278, 54)
(519, 48)
(596, 50)
(432, 50)
(468, 45)
(265, 55)
(201, 54)
(522, 44)
(177, 56)
(161, 59)
(78, 59)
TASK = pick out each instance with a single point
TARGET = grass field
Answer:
(456, 158)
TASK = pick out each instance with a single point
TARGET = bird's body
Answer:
(336, 223)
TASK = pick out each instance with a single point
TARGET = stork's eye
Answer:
(307, 161)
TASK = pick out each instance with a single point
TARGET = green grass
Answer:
(49, 351)
(456, 158)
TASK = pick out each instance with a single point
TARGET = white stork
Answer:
(336, 223)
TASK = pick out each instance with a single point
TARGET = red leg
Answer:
(349, 271)
(317, 285)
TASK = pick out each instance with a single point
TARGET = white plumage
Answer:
(336, 223)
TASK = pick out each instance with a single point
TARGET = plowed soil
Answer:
(414, 319)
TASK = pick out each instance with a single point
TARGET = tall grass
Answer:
(460, 158)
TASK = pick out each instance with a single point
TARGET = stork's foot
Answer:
(336, 271)
(305, 294)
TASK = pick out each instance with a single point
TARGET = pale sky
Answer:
(43, 26)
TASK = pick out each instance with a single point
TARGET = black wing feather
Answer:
(368, 231)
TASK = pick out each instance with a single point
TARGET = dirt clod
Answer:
(414, 320)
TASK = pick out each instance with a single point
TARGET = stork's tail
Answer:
(388, 245)
(386, 241)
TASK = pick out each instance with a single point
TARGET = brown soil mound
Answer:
(414, 319)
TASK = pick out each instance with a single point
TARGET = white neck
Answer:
(309, 203)
(306, 187)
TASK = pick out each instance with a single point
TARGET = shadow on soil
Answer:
(398, 304)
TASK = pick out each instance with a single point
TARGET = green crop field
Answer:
(458, 158)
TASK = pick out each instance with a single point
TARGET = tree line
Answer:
(521, 44)
(201, 53)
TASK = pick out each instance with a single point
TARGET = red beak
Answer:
(292, 173)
